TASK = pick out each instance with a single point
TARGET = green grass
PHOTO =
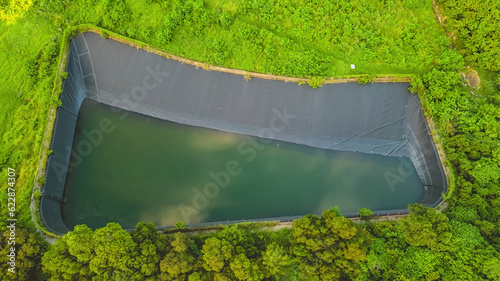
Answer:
(377, 37)
(18, 42)
(24, 103)
(318, 39)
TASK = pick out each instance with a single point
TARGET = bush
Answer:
(226, 19)
(41, 180)
(450, 60)
(316, 82)
(55, 100)
(365, 79)
(365, 213)
(64, 75)
(417, 85)
(38, 194)
(104, 34)
(180, 225)
(31, 68)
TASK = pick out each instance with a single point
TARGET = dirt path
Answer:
(439, 17)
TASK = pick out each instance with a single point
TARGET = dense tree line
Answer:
(111, 253)
(426, 245)
(322, 38)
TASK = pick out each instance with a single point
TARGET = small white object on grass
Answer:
(353, 66)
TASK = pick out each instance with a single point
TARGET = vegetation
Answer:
(279, 37)
(475, 30)
(318, 39)
(235, 253)
(365, 213)
(426, 245)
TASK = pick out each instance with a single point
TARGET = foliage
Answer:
(316, 82)
(275, 260)
(111, 253)
(29, 251)
(180, 260)
(313, 240)
(424, 246)
(471, 129)
(279, 37)
(14, 10)
(365, 213)
(476, 26)
(28, 66)
(426, 227)
(180, 225)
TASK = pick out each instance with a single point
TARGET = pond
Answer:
(139, 168)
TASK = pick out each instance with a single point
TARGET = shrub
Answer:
(64, 75)
(180, 225)
(316, 82)
(41, 180)
(104, 34)
(365, 79)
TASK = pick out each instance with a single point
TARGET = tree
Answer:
(417, 263)
(330, 247)
(491, 268)
(216, 254)
(476, 26)
(365, 213)
(464, 214)
(450, 60)
(180, 260)
(80, 243)
(243, 241)
(275, 260)
(115, 252)
(244, 269)
(62, 265)
(28, 250)
(426, 227)
(151, 246)
(180, 225)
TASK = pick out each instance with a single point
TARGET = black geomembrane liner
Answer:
(379, 118)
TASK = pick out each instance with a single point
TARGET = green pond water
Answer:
(127, 168)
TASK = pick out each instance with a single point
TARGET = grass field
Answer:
(24, 101)
(281, 37)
